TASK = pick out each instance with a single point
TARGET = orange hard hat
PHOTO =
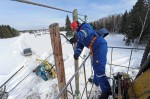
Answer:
(74, 25)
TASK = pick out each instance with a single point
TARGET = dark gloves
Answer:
(73, 40)
(75, 57)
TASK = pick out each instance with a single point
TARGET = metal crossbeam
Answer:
(42, 5)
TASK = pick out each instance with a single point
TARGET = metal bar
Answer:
(71, 90)
(91, 90)
(122, 66)
(85, 81)
(42, 5)
(126, 48)
(71, 78)
(130, 60)
(76, 62)
(84, 90)
(11, 77)
(111, 61)
(81, 20)
(65, 37)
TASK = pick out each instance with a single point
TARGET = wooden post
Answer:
(75, 18)
(58, 57)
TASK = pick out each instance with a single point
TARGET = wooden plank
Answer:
(58, 57)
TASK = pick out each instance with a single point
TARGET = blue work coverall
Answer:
(84, 36)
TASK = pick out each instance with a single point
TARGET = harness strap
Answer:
(91, 44)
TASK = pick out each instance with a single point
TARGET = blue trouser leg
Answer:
(99, 62)
(96, 80)
(104, 84)
(101, 79)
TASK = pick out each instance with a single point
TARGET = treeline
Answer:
(112, 23)
(7, 32)
(134, 24)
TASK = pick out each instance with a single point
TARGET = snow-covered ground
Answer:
(33, 87)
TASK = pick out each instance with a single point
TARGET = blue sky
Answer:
(24, 16)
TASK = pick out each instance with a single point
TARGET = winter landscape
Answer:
(12, 59)
(28, 67)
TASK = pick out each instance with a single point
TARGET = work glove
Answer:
(75, 57)
(73, 40)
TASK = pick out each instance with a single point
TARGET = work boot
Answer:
(91, 80)
(105, 95)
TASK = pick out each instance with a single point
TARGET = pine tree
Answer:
(68, 28)
(137, 16)
(1, 34)
(126, 28)
(14, 32)
(10, 30)
(124, 23)
(7, 32)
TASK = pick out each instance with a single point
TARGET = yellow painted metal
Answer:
(48, 67)
(51, 69)
(140, 88)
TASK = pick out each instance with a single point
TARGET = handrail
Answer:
(126, 48)
(82, 65)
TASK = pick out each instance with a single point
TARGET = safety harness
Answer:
(91, 44)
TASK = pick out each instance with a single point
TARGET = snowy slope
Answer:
(34, 87)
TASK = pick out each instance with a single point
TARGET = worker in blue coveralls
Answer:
(86, 36)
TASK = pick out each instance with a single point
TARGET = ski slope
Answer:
(33, 87)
